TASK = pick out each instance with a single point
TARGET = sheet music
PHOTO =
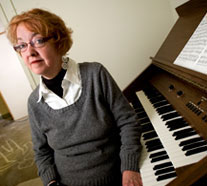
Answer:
(194, 54)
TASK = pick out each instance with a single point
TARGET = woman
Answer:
(83, 130)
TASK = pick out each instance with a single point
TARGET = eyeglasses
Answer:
(36, 43)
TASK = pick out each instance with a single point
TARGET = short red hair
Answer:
(45, 23)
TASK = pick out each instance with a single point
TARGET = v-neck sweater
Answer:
(89, 142)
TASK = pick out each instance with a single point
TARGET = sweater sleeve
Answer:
(126, 120)
(42, 151)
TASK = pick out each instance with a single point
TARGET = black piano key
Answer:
(138, 110)
(196, 151)
(136, 103)
(189, 141)
(185, 135)
(159, 104)
(157, 147)
(142, 115)
(153, 145)
(177, 126)
(149, 135)
(153, 142)
(165, 170)
(175, 121)
(144, 120)
(183, 131)
(157, 154)
(165, 109)
(169, 116)
(166, 176)
(157, 99)
(147, 127)
(194, 145)
(159, 158)
(162, 165)
(181, 124)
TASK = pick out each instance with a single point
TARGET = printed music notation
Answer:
(194, 54)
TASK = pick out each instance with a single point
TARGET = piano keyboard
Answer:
(174, 132)
(155, 165)
(167, 139)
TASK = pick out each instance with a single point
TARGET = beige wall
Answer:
(14, 84)
(121, 34)
(174, 4)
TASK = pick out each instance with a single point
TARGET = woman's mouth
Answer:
(36, 61)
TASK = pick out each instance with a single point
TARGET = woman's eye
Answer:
(23, 45)
(39, 41)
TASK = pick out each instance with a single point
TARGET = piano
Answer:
(171, 104)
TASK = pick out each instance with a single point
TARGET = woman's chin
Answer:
(37, 71)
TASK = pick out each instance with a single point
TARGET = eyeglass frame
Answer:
(32, 43)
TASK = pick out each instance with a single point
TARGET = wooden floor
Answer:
(17, 165)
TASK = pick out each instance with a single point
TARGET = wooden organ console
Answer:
(171, 102)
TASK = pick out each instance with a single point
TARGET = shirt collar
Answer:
(72, 75)
(73, 72)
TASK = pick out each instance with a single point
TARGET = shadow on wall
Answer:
(4, 110)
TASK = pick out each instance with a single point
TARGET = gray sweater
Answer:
(89, 142)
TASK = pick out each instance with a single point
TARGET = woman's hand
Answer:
(131, 178)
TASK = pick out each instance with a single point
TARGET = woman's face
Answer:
(44, 61)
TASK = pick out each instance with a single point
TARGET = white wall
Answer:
(174, 4)
(2, 29)
(121, 34)
(14, 84)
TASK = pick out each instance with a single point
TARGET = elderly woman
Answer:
(84, 132)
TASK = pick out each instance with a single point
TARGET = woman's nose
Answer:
(31, 51)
